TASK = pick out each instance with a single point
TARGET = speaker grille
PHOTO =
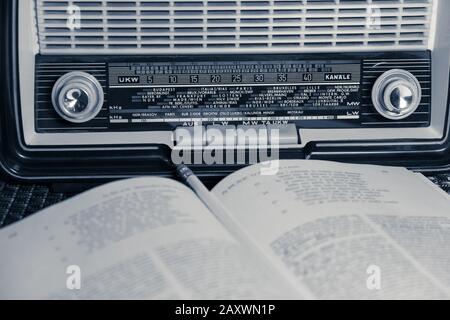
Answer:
(119, 26)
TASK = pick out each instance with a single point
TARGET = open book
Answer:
(313, 230)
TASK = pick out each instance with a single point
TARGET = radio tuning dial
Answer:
(77, 97)
(396, 94)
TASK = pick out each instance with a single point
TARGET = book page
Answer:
(347, 231)
(139, 238)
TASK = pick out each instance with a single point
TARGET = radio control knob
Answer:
(77, 96)
(396, 94)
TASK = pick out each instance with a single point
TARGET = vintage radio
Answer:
(101, 89)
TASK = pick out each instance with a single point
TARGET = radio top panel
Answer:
(162, 93)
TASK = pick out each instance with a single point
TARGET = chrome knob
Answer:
(77, 96)
(396, 94)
